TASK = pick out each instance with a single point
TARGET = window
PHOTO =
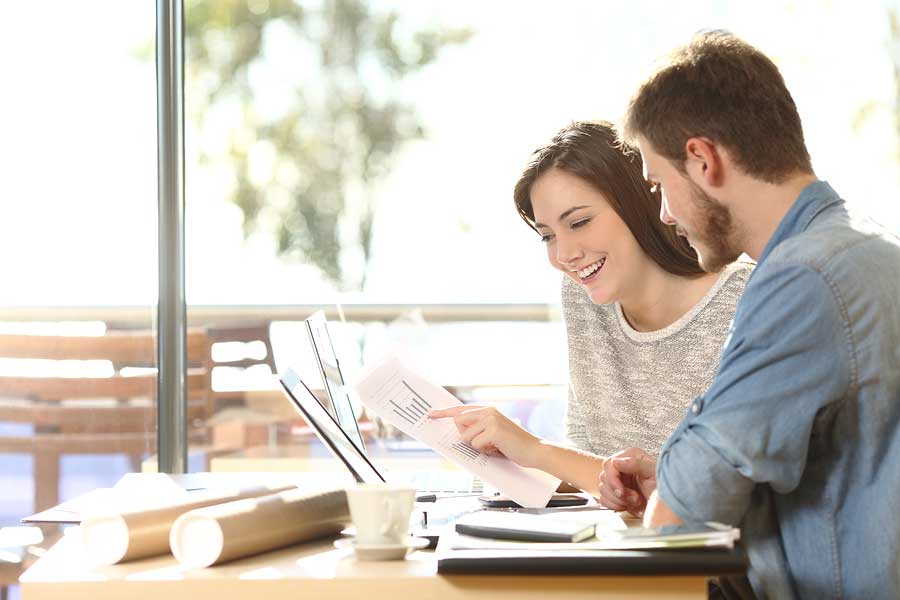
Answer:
(358, 157)
(78, 241)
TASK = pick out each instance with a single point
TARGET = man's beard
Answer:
(714, 232)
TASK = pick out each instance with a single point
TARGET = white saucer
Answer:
(382, 552)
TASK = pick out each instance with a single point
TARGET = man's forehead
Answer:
(646, 151)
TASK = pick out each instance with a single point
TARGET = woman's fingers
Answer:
(489, 430)
(483, 443)
(441, 413)
(468, 432)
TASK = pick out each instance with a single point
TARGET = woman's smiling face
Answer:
(585, 237)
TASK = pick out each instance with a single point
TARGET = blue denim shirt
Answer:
(797, 439)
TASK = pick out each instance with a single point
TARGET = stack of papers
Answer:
(707, 535)
(709, 550)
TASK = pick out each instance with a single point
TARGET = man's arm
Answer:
(658, 513)
(784, 366)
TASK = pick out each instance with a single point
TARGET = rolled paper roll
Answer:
(114, 537)
(217, 534)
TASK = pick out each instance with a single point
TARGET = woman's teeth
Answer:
(590, 269)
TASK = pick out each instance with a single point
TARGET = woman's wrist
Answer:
(579, 468)
(537, 453)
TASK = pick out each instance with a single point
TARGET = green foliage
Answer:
(337, 131)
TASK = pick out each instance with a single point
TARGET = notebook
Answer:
(525, 527)
(356, 459)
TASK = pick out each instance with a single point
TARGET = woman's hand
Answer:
(626, 481)
(492, 432)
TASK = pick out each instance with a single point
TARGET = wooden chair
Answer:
(108, 413)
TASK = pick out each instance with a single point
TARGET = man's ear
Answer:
(704, 161)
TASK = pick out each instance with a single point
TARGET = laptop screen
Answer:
(333, 378)
(328, 431)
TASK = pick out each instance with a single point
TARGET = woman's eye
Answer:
(580, 223)
(545, 238)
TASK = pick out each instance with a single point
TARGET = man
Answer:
(797, 439)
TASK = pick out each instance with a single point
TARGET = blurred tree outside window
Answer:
(302, 102)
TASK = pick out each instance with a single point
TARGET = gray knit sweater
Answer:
(630, 388)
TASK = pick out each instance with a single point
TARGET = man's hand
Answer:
(626, 481)
(491, 432)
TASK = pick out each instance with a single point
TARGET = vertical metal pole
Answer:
(171, 356)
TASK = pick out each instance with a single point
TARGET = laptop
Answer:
(341, 408)
(357, 460)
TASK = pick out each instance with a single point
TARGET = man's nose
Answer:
(664, 215)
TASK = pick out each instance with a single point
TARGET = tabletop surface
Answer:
(318, 569)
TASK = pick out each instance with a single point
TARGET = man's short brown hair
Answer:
(724, 89)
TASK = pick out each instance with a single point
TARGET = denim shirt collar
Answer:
(814, 198)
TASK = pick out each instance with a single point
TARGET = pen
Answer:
(426, 498)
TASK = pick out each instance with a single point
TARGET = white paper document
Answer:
(403, 398)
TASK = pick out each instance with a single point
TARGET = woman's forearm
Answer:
(581, 469)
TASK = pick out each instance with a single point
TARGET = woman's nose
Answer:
(568, 253)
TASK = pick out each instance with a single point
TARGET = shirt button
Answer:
(695, 408)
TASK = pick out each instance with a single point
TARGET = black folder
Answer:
(732, 561)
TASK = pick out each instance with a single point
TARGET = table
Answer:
(313, 570)
(318, 570)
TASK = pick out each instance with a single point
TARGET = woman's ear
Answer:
(704, 161)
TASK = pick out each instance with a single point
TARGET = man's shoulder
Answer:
(836, 245)
(830, 265)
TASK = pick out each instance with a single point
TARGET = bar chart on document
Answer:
(404, 398)
(411, 408)
(415, 409)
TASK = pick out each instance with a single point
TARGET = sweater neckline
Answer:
(669, 330)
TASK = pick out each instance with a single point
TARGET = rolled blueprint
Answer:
(216, 534)
(114, 537)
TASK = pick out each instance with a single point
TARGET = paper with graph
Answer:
(403, 398)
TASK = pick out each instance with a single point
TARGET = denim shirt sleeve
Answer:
(784, 364)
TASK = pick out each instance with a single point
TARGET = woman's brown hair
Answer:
(591, 151)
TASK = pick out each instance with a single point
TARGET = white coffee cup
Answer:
(381, 513)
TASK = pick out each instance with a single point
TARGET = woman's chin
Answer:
(599, 296)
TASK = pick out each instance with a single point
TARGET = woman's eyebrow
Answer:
(564, 214)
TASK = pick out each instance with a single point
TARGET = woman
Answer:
(645, 323)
